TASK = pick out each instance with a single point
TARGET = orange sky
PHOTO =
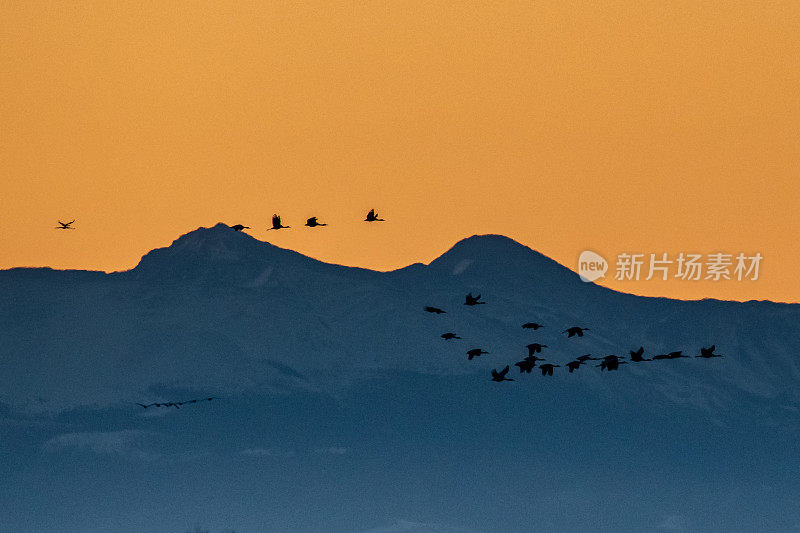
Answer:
(611, 126)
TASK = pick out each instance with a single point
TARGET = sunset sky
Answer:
(631, 126)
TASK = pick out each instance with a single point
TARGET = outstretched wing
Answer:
(504, 371)
(495, 374)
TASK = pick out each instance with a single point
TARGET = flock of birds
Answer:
(526, 366)
(176, 405)
(312, 222)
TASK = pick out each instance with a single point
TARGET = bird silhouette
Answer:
(610, 362)
(526, 365)
(660, 357)
(313, 223)
(535, 348)
(501, 376)
(547, 369)
(473, 300)
(372, 216)
(65, 225)
(176, 405)
(574, 365)
(436, 310)
(636, 356)
(534, 358)
(475, 352)
(676, 355)
(532, 325)
(587, 357)
(707, 353)
(575, 330)
(448, 336)
(239, 227)
(610, 365)
(276, 223)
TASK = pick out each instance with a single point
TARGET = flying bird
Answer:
(313, 223)
(276, 223)
(587, 357)
(448, 336)
(676, 355)
(574, 365)
(475, 352)
(239, 227)
(473, 300)
(501, 376)
(143, 405)
(636, 356)
(526, 365)
(575, 330)
(547, 369)
(534, 358)
(707, 353)
(535, 348)
(65, 225)
(436, 310)
(372, 216)
(610, 365)
(532, 325)
(610, 362)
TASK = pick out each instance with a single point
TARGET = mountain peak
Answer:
(221, 255)
(218, 248)
(490, 242)
(501, 257)
(489, 248)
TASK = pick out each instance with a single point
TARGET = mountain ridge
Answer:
(307, 356)
(224, 246)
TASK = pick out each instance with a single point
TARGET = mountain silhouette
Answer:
(214, 292)
(338, 385)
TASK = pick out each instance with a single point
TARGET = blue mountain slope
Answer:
(342, 409)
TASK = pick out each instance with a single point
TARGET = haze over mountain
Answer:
(345, 411)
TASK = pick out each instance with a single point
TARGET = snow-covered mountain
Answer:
(336, 376)
(218, 309)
